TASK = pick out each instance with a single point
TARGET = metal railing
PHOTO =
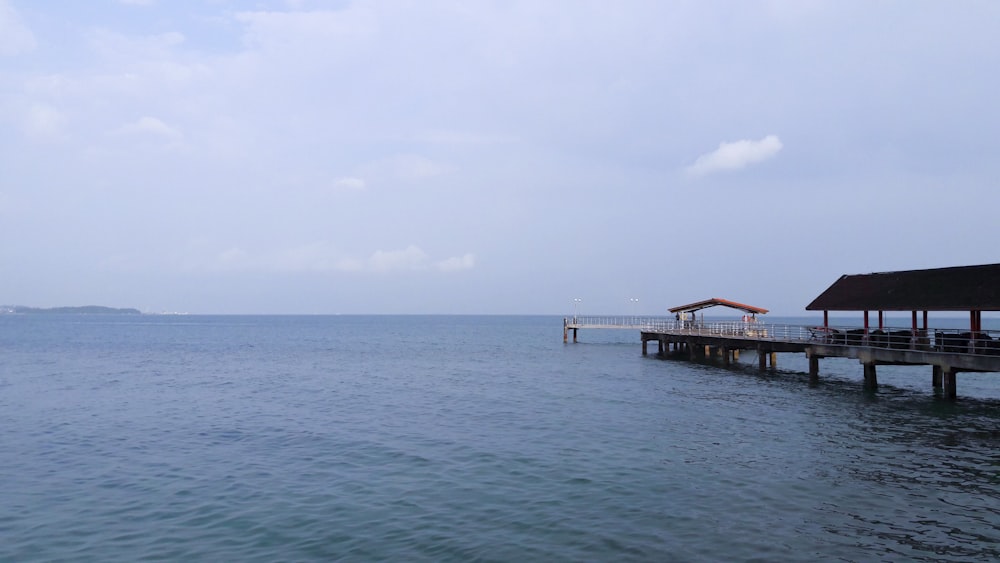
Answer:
(955, 341)
(950, 340)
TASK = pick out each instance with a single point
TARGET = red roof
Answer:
(715, 301)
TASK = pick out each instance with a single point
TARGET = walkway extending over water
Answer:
(948, 351)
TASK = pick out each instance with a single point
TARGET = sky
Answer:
(489, 157)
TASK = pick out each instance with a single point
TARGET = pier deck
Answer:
(947, 351)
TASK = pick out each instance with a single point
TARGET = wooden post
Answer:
(813, 368)
(871, 379)
(644, 341)
(761, 360)
(574, 335)
(774, 359)
(936, 377)
(724, 352)
(950, 385)
(565, 332)
(736, 355)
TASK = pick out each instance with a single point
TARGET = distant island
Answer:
(85, 310)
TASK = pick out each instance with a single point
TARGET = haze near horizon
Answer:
(331, 157)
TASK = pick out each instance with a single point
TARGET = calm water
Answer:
(470, 438)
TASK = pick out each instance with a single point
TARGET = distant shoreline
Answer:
(84, 310)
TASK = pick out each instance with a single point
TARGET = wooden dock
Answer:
(947, 351)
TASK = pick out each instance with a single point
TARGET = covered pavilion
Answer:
(967, 289)
(717, 302)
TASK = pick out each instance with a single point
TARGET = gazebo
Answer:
(717, 302)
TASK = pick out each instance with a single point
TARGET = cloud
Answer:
(150, 126)
(457, 263)
(735, 155)
(44, 122)
(349, 183)
(414, 167)
(406, 167)
(409, 258)
(319, 256)
(462, 138)
(15, 37)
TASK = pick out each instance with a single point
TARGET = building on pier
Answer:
(962, 289)
(967, 289)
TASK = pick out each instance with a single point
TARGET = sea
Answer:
(471, 438)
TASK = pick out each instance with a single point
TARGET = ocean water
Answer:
(465, 438)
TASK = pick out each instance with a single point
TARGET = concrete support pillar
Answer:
(659, 347)
(724, 352)
(813, 368)
(565, 332)
(574, 335)
(936, 376)
(774, 359)
(950, 384)
(762, 360)
(871, 379)
(644, 341)
(736, 355)
(691, 351)
(708, 351)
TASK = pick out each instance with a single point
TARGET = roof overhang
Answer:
(961, 288)
(716, 302)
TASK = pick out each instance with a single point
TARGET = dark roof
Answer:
(714, 302)
(962, 288)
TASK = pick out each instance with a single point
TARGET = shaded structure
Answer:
(967, 289)
(698, 339)
(717, 302)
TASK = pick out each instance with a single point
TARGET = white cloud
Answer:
(15, 37)
(457, 263)
(44, 122)
(349, 183)
(321, 256)
(414, 167)
(462, 138)
(405, 167)
(735, 155)
(150, 126)
(409, 258)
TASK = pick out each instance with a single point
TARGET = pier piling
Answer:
(871, 379)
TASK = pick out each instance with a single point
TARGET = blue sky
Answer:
(489, 157)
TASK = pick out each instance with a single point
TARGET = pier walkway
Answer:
(947, 351)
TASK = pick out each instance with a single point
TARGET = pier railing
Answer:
(955, 341)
